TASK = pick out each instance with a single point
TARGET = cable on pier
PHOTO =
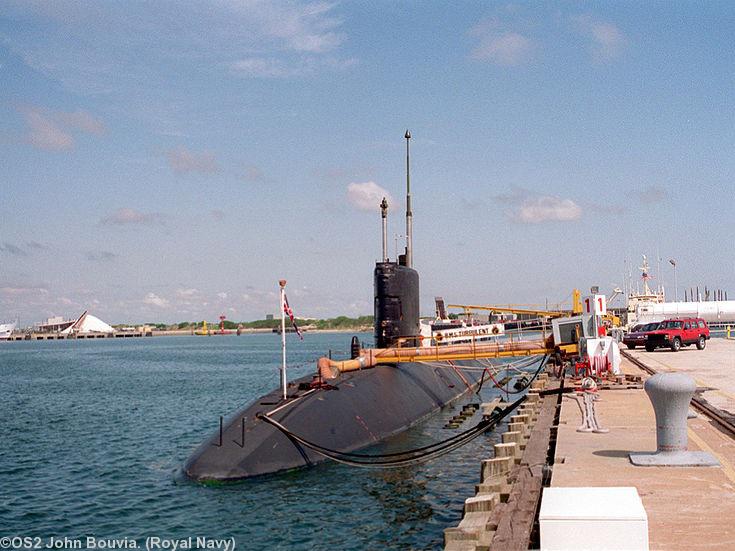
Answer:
(528, 383)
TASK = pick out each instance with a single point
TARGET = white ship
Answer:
(6, 329)
(650, 306)
(647, 297)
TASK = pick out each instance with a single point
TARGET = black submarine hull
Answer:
(361, 409)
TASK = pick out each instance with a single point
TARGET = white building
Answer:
(88, 323)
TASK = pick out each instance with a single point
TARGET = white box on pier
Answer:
(593, 518)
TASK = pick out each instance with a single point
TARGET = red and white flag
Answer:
(289, 312)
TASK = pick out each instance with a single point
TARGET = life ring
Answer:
(496, 330)
(439, 338)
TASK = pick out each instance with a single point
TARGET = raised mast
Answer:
(409, 214)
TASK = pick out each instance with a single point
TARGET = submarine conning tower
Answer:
(396, 307)
(396, 304)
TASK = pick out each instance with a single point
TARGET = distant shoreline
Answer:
(19, 336)
(214, 332)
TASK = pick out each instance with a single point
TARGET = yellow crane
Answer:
(576, 308)
(469, 307)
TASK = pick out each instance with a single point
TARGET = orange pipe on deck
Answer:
(330, 369)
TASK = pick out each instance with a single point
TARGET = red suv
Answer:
(675, 333)
(638, 334)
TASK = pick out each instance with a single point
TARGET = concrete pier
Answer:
(687, 507)
(713, 369)
(62, 337)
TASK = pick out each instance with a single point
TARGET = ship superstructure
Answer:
(648, 305)
(646, 296)
(6, 329)
(444, 331)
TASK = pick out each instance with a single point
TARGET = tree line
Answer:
(340, 322)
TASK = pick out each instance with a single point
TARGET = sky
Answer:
(171, 161)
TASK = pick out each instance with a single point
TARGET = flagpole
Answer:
(282, 283)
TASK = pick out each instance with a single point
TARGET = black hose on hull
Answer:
(400, 459)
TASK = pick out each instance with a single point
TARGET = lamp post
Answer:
(676, 283)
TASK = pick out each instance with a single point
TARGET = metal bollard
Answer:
(670, 394)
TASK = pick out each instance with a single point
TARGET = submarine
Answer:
(347, 405)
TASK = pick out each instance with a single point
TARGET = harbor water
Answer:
(94, 434)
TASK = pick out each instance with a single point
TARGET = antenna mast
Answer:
(409, 214)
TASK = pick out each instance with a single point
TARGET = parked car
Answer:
(675, 333)
(638, 333)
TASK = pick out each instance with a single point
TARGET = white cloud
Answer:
(52, 130)
(506, 48)
(44, 133)
(14, 291)
(186, 293)
(261, 67)
(182, 160)
(534, 210)
(499, 44)
(299, 27)
(154, 300)
(288, 66)
(83, 121)
(608, 41)
(88, 47)
(367, 196)
(126, 216)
